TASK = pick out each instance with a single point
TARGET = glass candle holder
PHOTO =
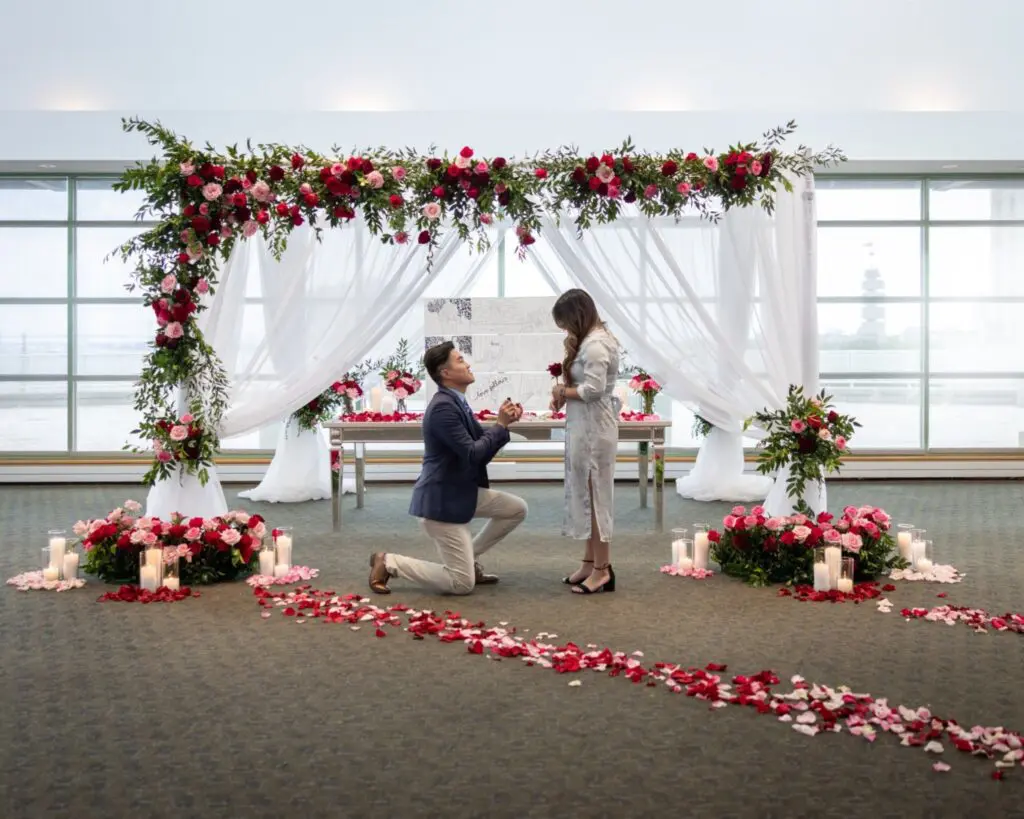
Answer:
(678, 536)
(172, 574)
(57, 540)
(904, 538)
(821, 573)
(283, 547)
(69, 566)
(923, 558)
(701, 545)
(685, 554)
(267, 558)
(50, 572)
(150, 569)
(846, 569)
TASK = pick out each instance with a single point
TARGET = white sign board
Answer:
(509, 341)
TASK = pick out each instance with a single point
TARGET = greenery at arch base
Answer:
(206, 200)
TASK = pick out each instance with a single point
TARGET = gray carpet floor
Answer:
(202, 708)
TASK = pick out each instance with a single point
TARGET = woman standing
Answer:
(591, 366)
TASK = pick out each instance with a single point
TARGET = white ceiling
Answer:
(528, 55)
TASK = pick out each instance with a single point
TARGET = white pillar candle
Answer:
(57, 547)
(284, 550)
(71, 565)
(281, 569)
(904, 541)
(375, 399)
(833, 555)
(701, 545)
(924, 565)
(685, 563)
(676, 548)
(50, 574)
(387, 406)
(147, 578)
(172, 583)
(845, 585)
(821, 577)
(266, 562)
(155, 561)
(917, 554)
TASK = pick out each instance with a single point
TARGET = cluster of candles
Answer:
(276, 555)
(380, 401)
(156, 572)
(60, 560)
(690, 553)
(832, 571)
(914, 548)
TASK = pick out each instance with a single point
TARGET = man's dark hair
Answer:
(436, 358)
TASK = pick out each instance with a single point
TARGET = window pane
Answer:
(869, 338)
(890, 411)
(33, 262)
(976, 261)
(96, 278)
(112, 338)
(976, 199)
(33, 339)
(33, 416)
(524, 279)
(104, 415)
(34, 199)
(867, 199)
(969, 337)
(976, 414)
(869, 261)
(97, 201)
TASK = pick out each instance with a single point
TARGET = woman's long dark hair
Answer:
(576, 313)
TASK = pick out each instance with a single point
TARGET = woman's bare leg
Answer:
(598, 551)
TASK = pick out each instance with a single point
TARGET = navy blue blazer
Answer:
(456, 453)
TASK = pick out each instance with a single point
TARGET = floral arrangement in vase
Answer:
(761, 549)
(351, 391)
(399, 376)
(646, 387)
(211, 549)
(808, 436)
(178, 441)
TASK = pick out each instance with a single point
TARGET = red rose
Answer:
(770, 544)
(297, 220)
(825, 517)
(629, 198)
(594, 183)
(177, 531)
(541, 173)
(579, 175)
(211, 537)
(438, 191)
(454, 171)
(739, 182)
(254, 521)
(714, 537)
(195, 181)
(251, 176)
(669, 168)
(395, 200)
(276, 173)
(311, 199)
(297, 162)
(627, 164)
(555, 369)
(424, 237)
(190, 210)
(201, 224)
(433, 164)
(499, 163)
(262, 217)
(181, 312)
(833, 416)
(282, 209)
(124, 541)
(466, 152)
(213, 240)
(472, 193)
(602, 187)
(526, 239)
(239, 200)
(766, 164)
(217, 171)
(592, 164)
(183, 258)
(233, 185)
(814, 421)
(788, 538)
(504, 198)
(806, 445)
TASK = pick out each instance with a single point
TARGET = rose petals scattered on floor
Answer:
(861, 591)
(809, 708)
(937, 574)
(978, 619)
(135, 594)
(34, 581)
(297, 574)
(696, 574)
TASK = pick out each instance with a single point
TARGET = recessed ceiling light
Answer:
(948, 167)
(48, 167)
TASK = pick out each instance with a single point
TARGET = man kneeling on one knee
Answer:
(453, 488)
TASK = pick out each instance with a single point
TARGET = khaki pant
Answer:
(459, 550)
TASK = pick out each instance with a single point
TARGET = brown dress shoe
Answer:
(484, 579)
(379, 575)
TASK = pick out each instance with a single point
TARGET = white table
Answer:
(366, 432)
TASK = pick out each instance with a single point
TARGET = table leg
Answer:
(360, 475)
(659, 488)
(336, 491)
(642, 462)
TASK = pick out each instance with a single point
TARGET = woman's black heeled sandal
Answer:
(607, 586)
(569, 581)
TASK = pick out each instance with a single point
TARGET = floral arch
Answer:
(205, 201)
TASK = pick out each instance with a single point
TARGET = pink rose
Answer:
(337, 169)
(871, 530)
(850, 511)
(230, 536)
(187, 418)
(605, 174)
(249, 228)
(401, 392)
(614, 191)
(501, 187)
(261, 191)
(683, 188)
(739, 510)
(798, 519)
(755, 168)
(185, 236)
(204, 209)
(202, 286)
(390, 375)
(650, 191)
(169, 283)
(842, 525)
(305, 188)
(750, 521)
(840, 442)
(401, 237)
(179, 432)
(824, 434)
(432, 211)
(174, 330)
(195, 253)
(801, 533)
(375, 179)
(481, 167)
(149, 538)
(797, 425)
(774, 524)
(832, 536)
(729, 522)
(711, 163)
(212, 191)
(187, 168)
(398, 173)
(462, 161)
(246, 184)
(635, 382)
(881, 518)
(757, 510)
(852, 542)
(163, 455)
(486, 218)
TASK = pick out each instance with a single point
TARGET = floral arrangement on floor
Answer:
(205, 201)
(211, 550)
(762, 550)
(321, 408)
(34, 581)
(808, 436)
(296, 574)
(177, 442)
